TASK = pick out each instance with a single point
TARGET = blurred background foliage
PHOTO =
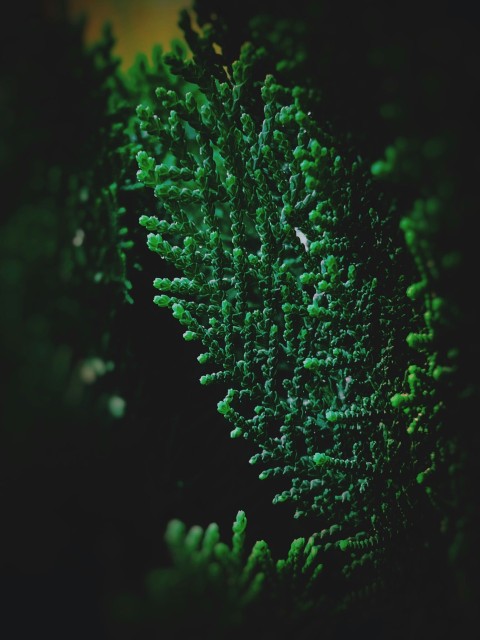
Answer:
(99, 446)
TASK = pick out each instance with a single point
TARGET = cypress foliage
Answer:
(313, 289)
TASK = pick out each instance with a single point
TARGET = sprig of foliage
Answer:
(294, 276)
(228, 587)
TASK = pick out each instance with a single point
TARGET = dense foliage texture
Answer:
(318, 314)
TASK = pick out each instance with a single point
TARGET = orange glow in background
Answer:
(137, 24)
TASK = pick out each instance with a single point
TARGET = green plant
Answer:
(313, 293)
(318, 279)
(226, 586)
